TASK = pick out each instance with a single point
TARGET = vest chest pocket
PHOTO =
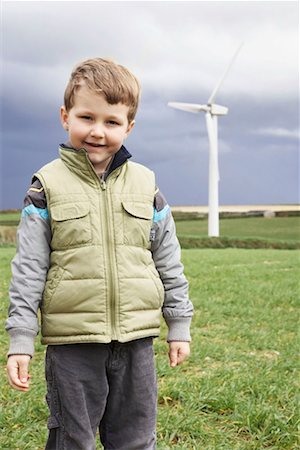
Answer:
(137, 222)
(71, 225)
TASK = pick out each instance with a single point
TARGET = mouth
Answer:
(92, 144)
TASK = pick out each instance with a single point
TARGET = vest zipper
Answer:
(109, 256)
(108, 250)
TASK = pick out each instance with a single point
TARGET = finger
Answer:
(23, 371)
(12, 373)
(184, 353)
(19, 387)
(173, 356)
(13, 379)
(181, 357)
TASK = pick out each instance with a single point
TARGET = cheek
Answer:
(120, 136)
(79, 129)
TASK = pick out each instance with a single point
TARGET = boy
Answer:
(101, 266)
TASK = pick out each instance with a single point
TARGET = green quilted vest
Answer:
(102, 284)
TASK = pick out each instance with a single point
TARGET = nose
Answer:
(97, 131)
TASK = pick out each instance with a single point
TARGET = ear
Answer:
(64, 116)
(130, 126)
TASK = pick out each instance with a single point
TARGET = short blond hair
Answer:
(103, 76)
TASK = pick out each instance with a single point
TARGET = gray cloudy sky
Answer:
(178, 50)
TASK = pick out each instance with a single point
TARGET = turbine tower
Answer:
(212, 111)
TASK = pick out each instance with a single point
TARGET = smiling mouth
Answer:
(91, 144)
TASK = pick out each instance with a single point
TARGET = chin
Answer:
(96, 157)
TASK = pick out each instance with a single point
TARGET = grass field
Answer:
(246, 232)
(239, 389)
(276, 228)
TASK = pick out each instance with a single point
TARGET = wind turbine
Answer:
(212, 111)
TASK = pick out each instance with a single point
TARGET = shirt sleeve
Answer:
(177, 308)
(29, 270)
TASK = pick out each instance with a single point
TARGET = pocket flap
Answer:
(69, 211)
(141, 210)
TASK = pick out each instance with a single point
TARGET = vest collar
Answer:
(77, 161)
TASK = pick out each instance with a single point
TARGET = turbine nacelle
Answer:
(218, 110)
(214, 109)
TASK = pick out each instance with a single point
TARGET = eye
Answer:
(86, 117)
(112, 122)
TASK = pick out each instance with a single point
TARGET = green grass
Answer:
(10, 218)
(239, 390)
(8, 227)
(276, 228)
(247, 232)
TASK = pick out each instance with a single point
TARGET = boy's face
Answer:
(96, 126)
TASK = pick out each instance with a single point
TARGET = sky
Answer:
(178, 50)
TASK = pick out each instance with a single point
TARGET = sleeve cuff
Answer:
(179, 329)
(21, 342)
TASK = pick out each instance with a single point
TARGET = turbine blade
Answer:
(218, 85)
(190, 107)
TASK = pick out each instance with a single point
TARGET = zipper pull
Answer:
(102, 184)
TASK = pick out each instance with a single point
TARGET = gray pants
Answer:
(107, 386)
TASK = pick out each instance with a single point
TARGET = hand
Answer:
(178, 352)
(17, 372)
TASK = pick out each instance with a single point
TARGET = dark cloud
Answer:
(178, 50)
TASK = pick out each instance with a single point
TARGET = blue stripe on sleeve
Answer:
(160, 215)
(31, 209)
